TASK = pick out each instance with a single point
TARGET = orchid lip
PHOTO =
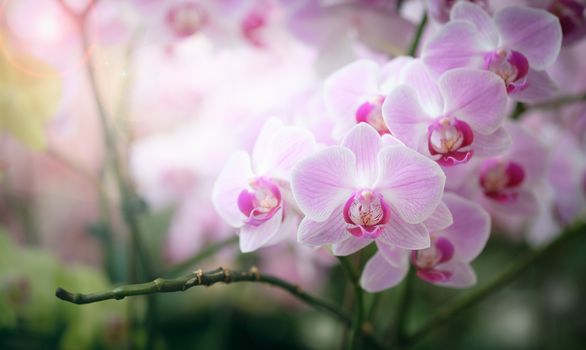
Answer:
(449, 141)
(261, 202)
(427, 261)
(366, 212)
(500, 180)
(512, 66)
(370, 112)
(440, 251)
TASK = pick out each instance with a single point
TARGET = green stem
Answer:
(415, 43)
(560, 102)
(371, 314)
(359, 314)
(200, 278)
(521, 108)
(447, 313)
(403, 309)
(208, 251)
(125, 190)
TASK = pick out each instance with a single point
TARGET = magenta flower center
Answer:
(449, 141)
(500, 180)
(510, 65)
(261, 201)
(186, 19)
(426, 261)
(370, 112)
(251, 27)
(366, 212)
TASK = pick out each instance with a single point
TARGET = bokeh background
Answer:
(117, 115)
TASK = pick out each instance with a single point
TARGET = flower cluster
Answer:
(419, 156)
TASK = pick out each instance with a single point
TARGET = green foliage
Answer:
(28, 278)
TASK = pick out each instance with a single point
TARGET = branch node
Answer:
(158, 283)
(255, 272)
(227, 275)
(196, 280)
(199, 275)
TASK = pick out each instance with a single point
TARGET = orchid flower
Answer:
(446, 262)
(355, 93)
(506, 186)
(562, 198)
(367, 189)
(450, 120)
(518, 45)
(252, 193)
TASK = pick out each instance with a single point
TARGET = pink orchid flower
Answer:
(452, 119)
(367, 189)
(355, 93)
(517, 45)
(253, 194)
(563, 197)
(446, 262)
(506, 186)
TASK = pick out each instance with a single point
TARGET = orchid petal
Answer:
(363, 140)
(477, 97)
(405, 117)
(323, 181)
(474, 14)
(410, 182)
(471, 228)
(457, 44)
(231, 182)
(540, 87)
(535, 33)
(401, 234)
(379, 275)
(350, 245)
(253, 237)
(440, 219)
(315, 234)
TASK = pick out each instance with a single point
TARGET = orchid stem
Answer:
(445, 314)
(418, 34)
(521, 108)
(403, 308)
(354, 342)
(561, 101)
(200, 278)
(129, 198)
